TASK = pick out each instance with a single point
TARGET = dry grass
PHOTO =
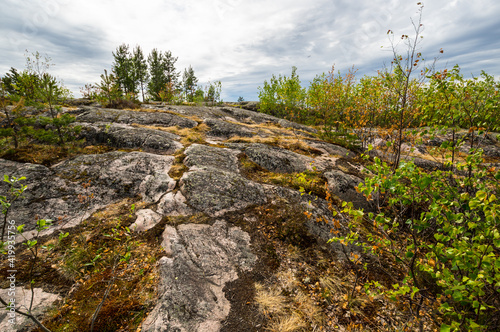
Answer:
(270, 300)
(188, 135)
(287, 323)
(310, 309)
(255, 139)
(178, 168)
(50, 154)
(191, 135)
(294, 144)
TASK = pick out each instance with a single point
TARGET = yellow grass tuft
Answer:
(270, 300)
(288, 323)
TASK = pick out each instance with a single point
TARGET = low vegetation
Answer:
(435, 234)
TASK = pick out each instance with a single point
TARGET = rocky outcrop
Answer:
(191, 196)
(278, 160)
(125, 136)
(216, 192)
(93, 115)
(199, 261)
(71, 190)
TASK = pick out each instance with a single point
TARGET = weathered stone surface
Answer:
(343, 186)
(42, 301)
(215, 191)
(93, 115)
(57, 193)
(200, 260)
(174, 204)
(290, 124)
(223, 129)
(121, 174)
(277, 159)
(146, 219)
(207, 156)
(125, 136)
(330, 149)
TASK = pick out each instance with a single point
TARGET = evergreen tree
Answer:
(140, 65)
(170, 73)
(10, 80)
(162, 74)
(189, 82)
(157, 74)
(123, 69)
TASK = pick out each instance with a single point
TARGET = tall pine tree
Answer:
(162, 73)
(141, 75)
(189, 82)
(123, 70)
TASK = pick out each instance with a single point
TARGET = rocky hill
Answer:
(224, 214)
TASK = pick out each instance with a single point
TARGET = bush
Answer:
(441, 233)
(123, 103)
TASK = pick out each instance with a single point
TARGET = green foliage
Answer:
(332, 102)
(140, 66)
(163, 76)
(443, 232)
(16, 189)
(213, 93)
(123, 70)
(108, 88)
(283, 97)
(189, 82)
(36, 86)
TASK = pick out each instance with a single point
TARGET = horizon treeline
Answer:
(154, 78)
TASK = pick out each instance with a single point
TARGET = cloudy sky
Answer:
(243, 42)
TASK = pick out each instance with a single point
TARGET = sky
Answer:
(244, 42)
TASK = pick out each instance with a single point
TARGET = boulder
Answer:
(199, 261)
(146, 219)
(174, 204)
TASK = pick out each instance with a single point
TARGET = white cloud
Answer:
(243, 42)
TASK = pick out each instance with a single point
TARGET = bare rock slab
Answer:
(207, 156)
(200, 260)
(223, 129)
(93, 115)
(125, 136)
(278, 160)
(58, 192)
(216, 192)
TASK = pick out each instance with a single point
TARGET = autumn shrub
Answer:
(440, 232)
